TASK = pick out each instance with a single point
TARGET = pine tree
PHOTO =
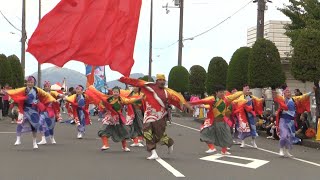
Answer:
(264, 69)
(217, 74)
(17, 72)
(179, 79)
(198, 76)
(238, 69)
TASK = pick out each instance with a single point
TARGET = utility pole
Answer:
(260, 17)
(23, 37)
(150, 41)
(181, 5)
(39, 65)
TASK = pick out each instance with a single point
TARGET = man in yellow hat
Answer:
(158, 99)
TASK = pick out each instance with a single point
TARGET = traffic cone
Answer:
(318, 131)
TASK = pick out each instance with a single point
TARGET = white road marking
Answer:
(185, 126)
(7, 132)
(253, 165)
(175, 172)
(261, 149)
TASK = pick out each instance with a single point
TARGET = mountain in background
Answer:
(56, 74)
(74, 78)
(114, 83)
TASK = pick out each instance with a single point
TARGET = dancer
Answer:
(69, 106)
(157, 100)
(80, 104)
(138, 108)
(30, 100)
(289, 107)
(247, 107)
(117, 124)
(48, 117)
(215, 130)
(234, 119)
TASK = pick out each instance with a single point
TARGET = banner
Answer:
(96, 76)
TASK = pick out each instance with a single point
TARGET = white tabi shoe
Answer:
(226, 153)
(126, 149)
(137, 145)
(153, 156)
(79, 136)
(281, 153)
(18, 141)
(53, 141)
(104, 148)
(242, 144)
(211, 151)
(170, 149)
(236, 142)
(254, 144)
(287, 154)
(43, 141)
(34, 143)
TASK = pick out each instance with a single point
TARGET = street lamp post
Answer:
(180, 33)
(150, 42)
(178, 4)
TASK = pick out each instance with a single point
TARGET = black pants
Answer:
(268, 131)
(5, 108)
(274, 135)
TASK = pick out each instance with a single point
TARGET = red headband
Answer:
(47, 83)
(79, 87)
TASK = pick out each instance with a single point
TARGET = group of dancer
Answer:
(238, 110)
(142, 114)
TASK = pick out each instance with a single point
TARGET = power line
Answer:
(168, 45)
(210, 29)
(9, 21)
(229, 17)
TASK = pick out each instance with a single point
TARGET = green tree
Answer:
(304, 32)
(303, 14)
(179, 79)
(197, 80)
(264, 68)
(238, 68)
(146, 78)
(5, 71)
(17, 72)
(305, 64)
(217, 74)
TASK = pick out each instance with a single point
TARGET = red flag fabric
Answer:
(95, 32)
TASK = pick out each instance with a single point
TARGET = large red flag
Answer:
(96, 32)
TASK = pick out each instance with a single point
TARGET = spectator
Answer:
(1, 105)
(62, 102)
(13, 111)
(267, 117)
(271, 127)
(302, 126)
(5, 100)
(297, 92)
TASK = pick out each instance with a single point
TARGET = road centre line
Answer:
(261, 149)
(7, 132)
(185, 126)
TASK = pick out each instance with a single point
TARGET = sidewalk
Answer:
(311, 143)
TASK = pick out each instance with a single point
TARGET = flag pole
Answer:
(105, 80)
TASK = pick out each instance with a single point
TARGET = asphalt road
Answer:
(73, 159)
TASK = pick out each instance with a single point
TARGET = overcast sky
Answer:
(199, 15)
